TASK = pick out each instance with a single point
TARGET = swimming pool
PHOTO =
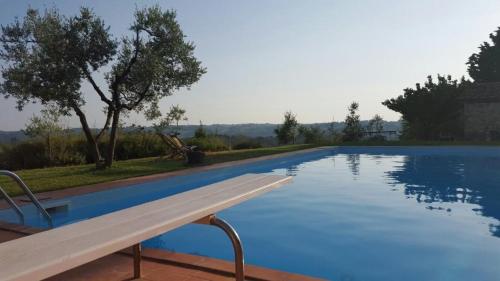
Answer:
(351, 213)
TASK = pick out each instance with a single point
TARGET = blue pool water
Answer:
(361, 213)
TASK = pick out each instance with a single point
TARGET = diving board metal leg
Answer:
(239, 261)
(238, 248)
(136, 249)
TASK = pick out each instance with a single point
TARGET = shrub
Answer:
(312, 134)
(200, 132)
(377, 138)
(138, 145)
(249, 144)
(209, 143)
(64, 151)
(33, 154)
(72, 149)
(23, 155)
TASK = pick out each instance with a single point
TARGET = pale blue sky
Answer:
(311, 57)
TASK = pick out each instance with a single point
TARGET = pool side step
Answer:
(57, 206)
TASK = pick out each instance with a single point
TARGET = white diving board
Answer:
(48, 253)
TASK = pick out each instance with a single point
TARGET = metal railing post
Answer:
(239, 261)
(28, 193)
(13, 205)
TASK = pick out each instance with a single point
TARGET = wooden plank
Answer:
(51, 252)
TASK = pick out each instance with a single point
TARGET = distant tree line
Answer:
(291, 132)
(50, 143)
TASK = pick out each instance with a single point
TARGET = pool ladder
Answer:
(28, 193)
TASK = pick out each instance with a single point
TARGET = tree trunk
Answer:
(49, 146)
(92, 143)
(112, 138)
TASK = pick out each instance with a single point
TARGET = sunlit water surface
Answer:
(350, 214)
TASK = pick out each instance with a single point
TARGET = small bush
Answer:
(24, 155)
(312, 134)
(72, 149)
(377, 138)
(35, 154)
(139, 145)
(247, 145)
(209, 143)
(64, 152)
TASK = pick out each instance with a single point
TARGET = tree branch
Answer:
(97, 89)
(148, 31)
(119, 79)
(106, 125)
(142, 96)
(19, 41)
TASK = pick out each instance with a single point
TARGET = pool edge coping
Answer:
(86, 189)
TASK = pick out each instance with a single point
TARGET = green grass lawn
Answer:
(47, 179)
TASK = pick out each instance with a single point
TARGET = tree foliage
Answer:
(376, 125)
(200, 132)
(375, 128)
(48, 56)
(173, 117)
(177, 114)
(333, 134)
(311, 134)
(484, 66)
(432, 111)
(352, 130)
(287, 132)
(45, 127)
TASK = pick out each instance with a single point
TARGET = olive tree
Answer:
(48, 56)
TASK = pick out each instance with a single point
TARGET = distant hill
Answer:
(250, 130)
(267, 129)
(11, 136)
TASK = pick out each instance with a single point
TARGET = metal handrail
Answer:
(28, 193)
(239, 261)
(13, 205)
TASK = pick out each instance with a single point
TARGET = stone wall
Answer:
(482, 121)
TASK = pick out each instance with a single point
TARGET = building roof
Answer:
(482, 92)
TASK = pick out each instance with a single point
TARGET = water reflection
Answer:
(292, 170)
(353, 161)
(434, 179)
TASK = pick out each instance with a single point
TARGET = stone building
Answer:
(482, 112)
